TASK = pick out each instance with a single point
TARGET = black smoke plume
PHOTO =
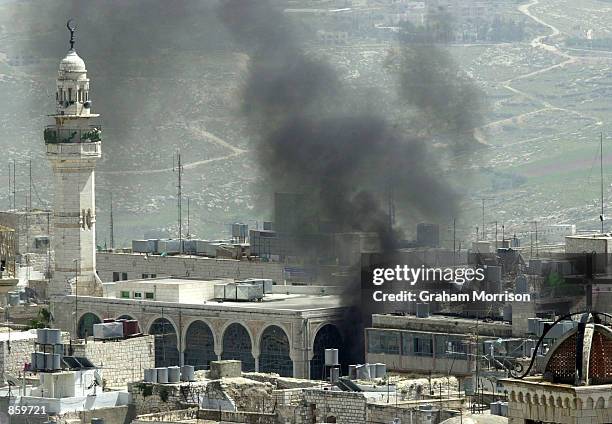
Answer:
(319, 137)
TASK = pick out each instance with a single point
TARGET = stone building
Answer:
(285, 332)
(576, 381)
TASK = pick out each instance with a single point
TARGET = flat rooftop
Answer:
(442, 324)
(270, 303)
(15, 335)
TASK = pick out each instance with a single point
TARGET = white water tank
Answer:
(174, 374)
(188, 373)
(41, 335)
(381, 370)
(54, 336)
(162, 375)
(331, 357)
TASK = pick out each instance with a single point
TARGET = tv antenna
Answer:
(177, 167)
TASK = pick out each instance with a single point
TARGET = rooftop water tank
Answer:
(331, 357)
(54, 336)
(162, 375)
(352, 372)
(41, 335)
(188, 373)
(334, 374)
(174, 374)
(381, 370)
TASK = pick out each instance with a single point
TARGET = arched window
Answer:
(237, 345)
(166, 348)
(86, 323)
(328, 337)
(274, 356)
(199, 346)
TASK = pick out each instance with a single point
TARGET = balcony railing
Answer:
(54, 135)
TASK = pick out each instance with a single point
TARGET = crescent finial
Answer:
(72, 29)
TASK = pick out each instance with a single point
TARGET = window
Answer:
(125, 294)
(41, 242)
(124, 275)
(153, 275)
(384, 342)
(145, 275)
(115, 276)
(417, 344)
(137, 295)
(70, 94)
(451, 346)
(149, 295)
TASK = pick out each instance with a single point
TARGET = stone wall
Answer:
(346, 407)
(122, 361)
(135, 266)
(168, 417)
(12, 360)
(148, 398)
(237, 417)
(409, 412)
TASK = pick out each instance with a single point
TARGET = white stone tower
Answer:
(73, 148)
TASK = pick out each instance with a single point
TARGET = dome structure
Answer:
(583, 356)
(72, 63)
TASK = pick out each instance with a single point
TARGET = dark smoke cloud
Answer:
(447, 100)
(316, 135)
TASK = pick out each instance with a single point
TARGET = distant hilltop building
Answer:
(73, 148)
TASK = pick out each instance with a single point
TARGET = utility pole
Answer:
(601, 217)
(30, 193)
(9, 185)
(495, 237)
(112, 224)
(188, 220)
(483, 220)
(14, 185)
(179, 169)
(454, 242)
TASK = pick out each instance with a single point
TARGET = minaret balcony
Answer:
(55, 135)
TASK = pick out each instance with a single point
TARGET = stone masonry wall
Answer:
(12, 362)
(122, 361)
(346, 407)
(181, 266)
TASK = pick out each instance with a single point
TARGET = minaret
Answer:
(73, 148)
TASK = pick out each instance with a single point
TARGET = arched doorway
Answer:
(166, 347)
(86, 323)
(237, 345)
(199, 346)
(328, 337)
(274, 356)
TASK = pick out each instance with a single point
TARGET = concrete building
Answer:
(73, 148)
(575, 385)
(285, 332)
(438, 344)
